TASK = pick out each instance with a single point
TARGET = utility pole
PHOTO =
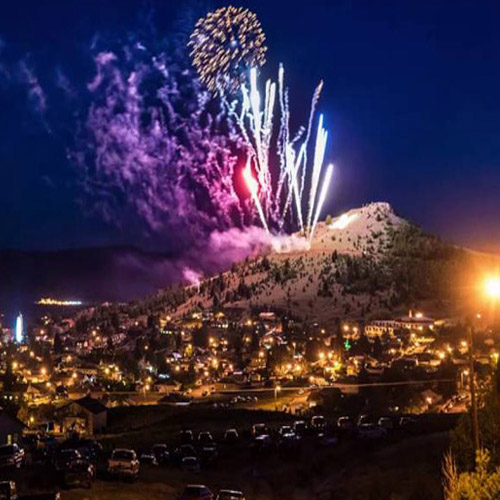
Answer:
(472, 385)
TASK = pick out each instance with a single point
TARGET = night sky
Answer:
(410, 99)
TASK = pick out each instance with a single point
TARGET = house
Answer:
(168, 386)
(415, 322)
(11, 428)
(86, 416)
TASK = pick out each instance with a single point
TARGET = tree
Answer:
(462, 445)
(482, 484)
(58, 347)
(201, 336)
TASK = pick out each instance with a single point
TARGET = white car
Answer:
(123, 463)
(11, 455)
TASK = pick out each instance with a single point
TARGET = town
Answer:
(73, 383)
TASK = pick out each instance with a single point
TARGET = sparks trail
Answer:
(228, 46)
(274, 199)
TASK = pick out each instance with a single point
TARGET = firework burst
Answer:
(224, 44)
(279, 193)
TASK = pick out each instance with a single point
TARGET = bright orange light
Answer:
(492, 287)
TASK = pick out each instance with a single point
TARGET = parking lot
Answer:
(285, 457)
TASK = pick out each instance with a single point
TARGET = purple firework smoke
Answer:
(156, 148)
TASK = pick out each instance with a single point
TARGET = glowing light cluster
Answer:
(224, 44)
(47, 301)
(276, 196)
(19, 332)
(492, 287)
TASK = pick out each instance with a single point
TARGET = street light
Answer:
(492, 290)
(277, 389)
(492, 287)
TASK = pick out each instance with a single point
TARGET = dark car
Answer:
(148, 458)
(318, 423)
(231, 436)
(64, 459)
(11, 455)
(160, 451)
(345, 423)
(196, 492)
(8, 490)
(190, 464)
(185, 450)
(79, 475)
(230, 495)
(187, 436)
(88, 448)
(205, 438)
(300, 427)
(260, 430)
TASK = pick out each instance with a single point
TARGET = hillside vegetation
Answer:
(367, 262)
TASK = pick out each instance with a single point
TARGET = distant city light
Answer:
(47, 301)
(19, 329)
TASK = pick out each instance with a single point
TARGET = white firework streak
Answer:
(255, 119)
(322, 197)
(319, 155)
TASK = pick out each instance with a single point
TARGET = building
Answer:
(11, 428)
(412, 322)
(86, 416)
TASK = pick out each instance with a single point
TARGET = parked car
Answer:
(208, 453)
(63, 459)
(187, 436)
(286, 429)
(259, 430)
(185, 450)
(230, 495)
(371, 431)
(148, 459)
(88, 448)
(300, 427)
(196, 492)
(386, 423)
(8, 490)
(364, 419)
(161, 453)
(205, 437)
(80, 474)
(231, 436)
(11, 455)
(262, 442)
(345, 423)
(123, 463)
(318, 423)
(190, 464)
(407, 423)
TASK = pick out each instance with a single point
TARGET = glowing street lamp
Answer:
(277, 389)
(492, 287)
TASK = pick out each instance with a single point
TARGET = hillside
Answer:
(366, 262)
